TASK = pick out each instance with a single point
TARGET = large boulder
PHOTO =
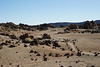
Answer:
(46, 36)
(24, 36)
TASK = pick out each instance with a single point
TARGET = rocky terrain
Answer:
(46, 45)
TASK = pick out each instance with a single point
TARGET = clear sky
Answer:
(44, 11)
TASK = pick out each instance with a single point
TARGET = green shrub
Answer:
(28, 40)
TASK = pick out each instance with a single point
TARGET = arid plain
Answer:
(53, 47)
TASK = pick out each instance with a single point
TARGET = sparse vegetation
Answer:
(28, 40)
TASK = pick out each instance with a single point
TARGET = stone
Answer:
(11, 46)
(46, 36)
(24, 36)
(12, 36)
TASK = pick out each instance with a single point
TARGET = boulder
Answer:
(34, 42)
(12, 36)
(55, 44)
(31, 51)
(24, 36)
(78, 53)
(67, 54)
(5, 34)
(50, 54)
(25, 45)
(38, 54)
(46, 36)
(11, 46)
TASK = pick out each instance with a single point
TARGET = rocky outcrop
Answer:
(26, 27)
(73, 26)
(89, 25)
(45, 26)
(9, 26)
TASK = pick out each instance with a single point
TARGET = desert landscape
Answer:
(47, 45)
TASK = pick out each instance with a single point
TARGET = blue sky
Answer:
(44, 11)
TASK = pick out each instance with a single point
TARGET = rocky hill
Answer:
(11, 26)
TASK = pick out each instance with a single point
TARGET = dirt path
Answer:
(74, 49)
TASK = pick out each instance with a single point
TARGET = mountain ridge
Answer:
(68, 23)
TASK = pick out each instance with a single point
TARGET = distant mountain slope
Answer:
(97, 21)
(68, 23)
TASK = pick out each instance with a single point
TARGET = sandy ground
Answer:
(20, 56)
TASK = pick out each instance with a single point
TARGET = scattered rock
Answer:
(1, 65)
(32, 37)
(92, 66)
(61, 66)
(13, 37)
(17, 66)
(5, 34)
(71, 54)
(38, 54)
(50, 54)
(10, 63)
(47, 42)
(78, 53)
(70, 66)
(55, 44)
(35, 59)
(32, 59)
(67, 54)
(16, 52)
(71, 49)
(57, 55)
(35, 52)
(11, 46)
(44, 59)
(25, 45)
(35, 41)
(31, 51)
(63, 49)
(76, 61)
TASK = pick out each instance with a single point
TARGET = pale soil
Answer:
(85, 42)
